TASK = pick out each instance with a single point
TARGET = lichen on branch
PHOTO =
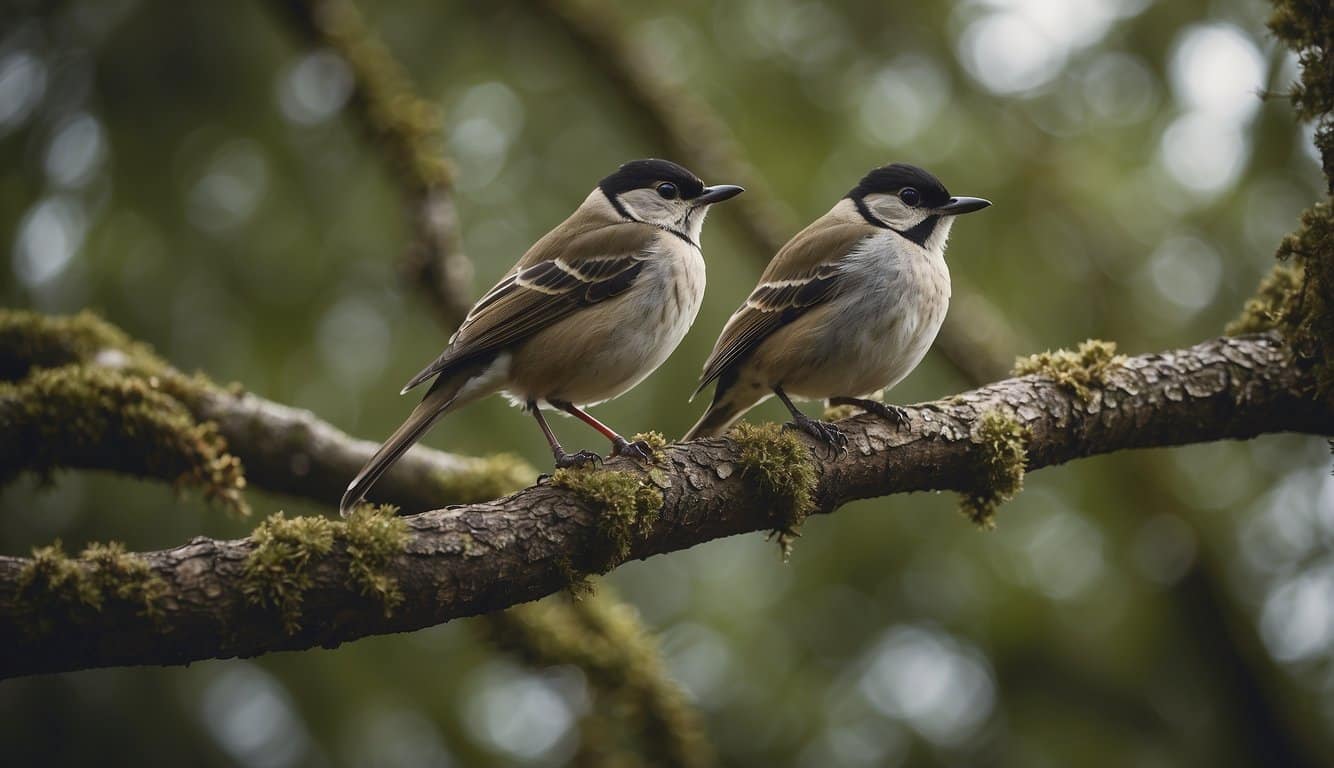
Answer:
(280, 568)
(55, 589)
(1001, 457)
(1079, 370)
(95, 418)
(779, 467)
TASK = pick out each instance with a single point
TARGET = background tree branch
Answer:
(480, 558)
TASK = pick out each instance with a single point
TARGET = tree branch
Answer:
(282, 449)
(481, 558)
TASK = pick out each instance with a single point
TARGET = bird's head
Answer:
(912, 202)
(664, 194)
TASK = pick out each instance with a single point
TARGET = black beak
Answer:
(717, 193)
(958, 205)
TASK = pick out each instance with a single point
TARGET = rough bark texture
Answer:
(292, 451)
(481, 558)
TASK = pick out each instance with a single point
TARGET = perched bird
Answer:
(848, 307)
(590, 310)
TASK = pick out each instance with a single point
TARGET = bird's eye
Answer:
(910, 197)
(667, 190)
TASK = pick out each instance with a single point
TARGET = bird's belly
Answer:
(866, 347)
(603, 351)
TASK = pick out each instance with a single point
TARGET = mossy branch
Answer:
(82, 417)
(284, 449)
(604, 637)
(481, 558)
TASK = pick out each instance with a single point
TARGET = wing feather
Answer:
(806, 273)
(540, 292)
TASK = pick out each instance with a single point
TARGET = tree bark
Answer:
(480, 558)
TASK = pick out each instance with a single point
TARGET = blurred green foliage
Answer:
(186, 169)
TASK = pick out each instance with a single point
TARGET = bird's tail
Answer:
(438, 402)
(729, 404)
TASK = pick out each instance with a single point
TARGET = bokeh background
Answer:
(188, 169)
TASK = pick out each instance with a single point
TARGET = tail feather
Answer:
(729, 404)
(438, 402)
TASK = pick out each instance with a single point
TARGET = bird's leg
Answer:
(820, 430)
(891, 413)
(619, 445)
(562, 458)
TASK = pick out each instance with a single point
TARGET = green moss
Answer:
(277, 571)
(655, 439)
(486, 479)
(31, 341)
(374, 535)
(628, 506)
(780, 468)
(1079, 370)
(125, 576)
(98, 418)
(1307, 26)
(1000, 443)
(1272, 303)
(1309, 318)
(56, 590)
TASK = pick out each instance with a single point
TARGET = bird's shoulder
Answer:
(824, 243)
(806, 272)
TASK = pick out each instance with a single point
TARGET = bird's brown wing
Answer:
(806, 273)
(554, 279)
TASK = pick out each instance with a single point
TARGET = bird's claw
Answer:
(891, 413)
(823, 431)
(577, 459)
(639, 449)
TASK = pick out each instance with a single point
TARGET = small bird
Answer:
(589, 311)
(848, 307)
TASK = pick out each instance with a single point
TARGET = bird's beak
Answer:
(958, 205)
(717, 194)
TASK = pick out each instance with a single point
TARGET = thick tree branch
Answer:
(481, 558)
(282, 449)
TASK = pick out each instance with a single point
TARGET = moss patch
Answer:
(655, 439)
(374, 535)
(30, 341)
(1079, 370)
(1272, 303)
(278, 571)
(1309, 312)
(1308, 28)
(97, 418)
(629, 506)
(56, 590)
(1000, 443)
(780, 468)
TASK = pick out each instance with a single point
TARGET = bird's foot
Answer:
(576, 459)
(820, 430)
(891, 413)
(639, 449)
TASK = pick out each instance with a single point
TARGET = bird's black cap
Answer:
(638, 174)
(889, 179)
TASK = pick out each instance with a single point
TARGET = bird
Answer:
(589, 311)
(847, 308)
